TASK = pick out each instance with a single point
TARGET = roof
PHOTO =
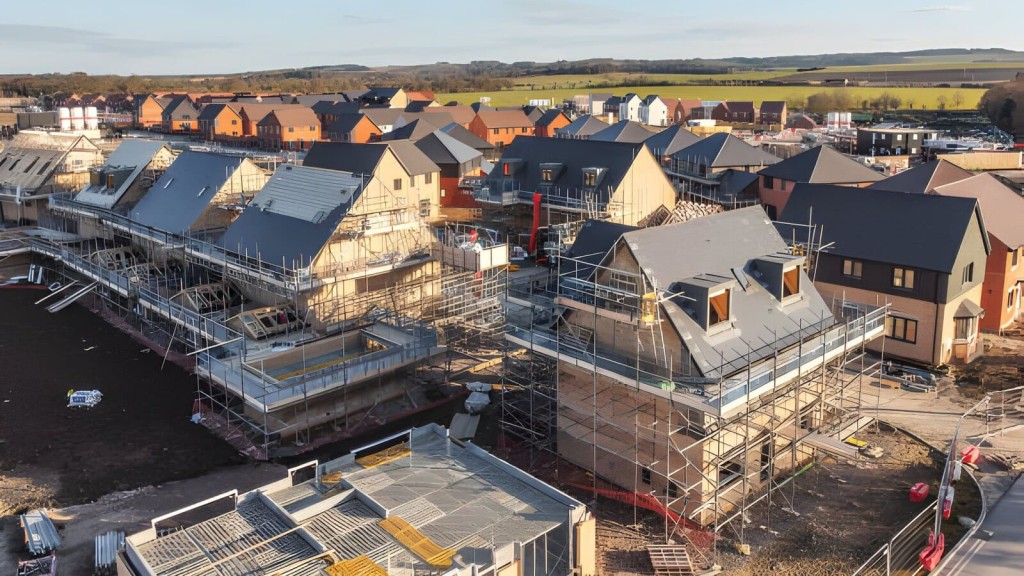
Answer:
(296, 116)
(773, 106)
(181, 195)
(364, 158)
(459, 112)
(504, 118)
(211, 111)
(32, 157)
(180, 107)
(383, 116)
(583, 127)
(134, 154)
(651, 99)
(822, 165)
(732, 182)
(346, 123)
(721, 150)
(723, 246)
(549, 116)
(623, 131)
(869, 224)
(337, 108)
(968, 309)
(594, 239)
(426, 497)
(573, 156)
(463, 135)
(442, 149)
(257, 112)
(412, 131)
(924, 178)
(1002, 208)
(738, 106)
(670, 140)
(293, 217)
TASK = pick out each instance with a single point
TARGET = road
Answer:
(1002, 553)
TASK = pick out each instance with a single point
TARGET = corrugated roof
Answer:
(1002, 208)
(869, 224)
(723, 150)
(924, 178)
(623, 131)
(175, 202)
(671, 140)
(582, 127)
(822, 165)
(720, 245)
(292, 218)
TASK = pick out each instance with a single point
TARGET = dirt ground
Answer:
(1000, 368)
(139, 435)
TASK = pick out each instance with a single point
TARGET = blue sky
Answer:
(188, 36)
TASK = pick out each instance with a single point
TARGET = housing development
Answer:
(622, 333)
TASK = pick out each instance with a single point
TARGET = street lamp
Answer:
(932, 554)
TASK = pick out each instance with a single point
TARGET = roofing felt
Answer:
(463, 135)
(822, 165)
(721, 246)
(181, 195)
(573, 156)
(593, 241)
(292, 218)
(924, 178)
(1002, 208)
(670, 140)
(504, 118)
(132, 153)
(623, 131)
(583, 127)
(869, 224)
(721, 150)
(442, 149)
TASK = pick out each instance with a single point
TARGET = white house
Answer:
(595, 106)
(629, 108)
(653, 111)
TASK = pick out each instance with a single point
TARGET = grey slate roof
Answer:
(924, 178)
(822, 165)
(293, 217)
(723, 150)
(412, 158)
(412, 131)
(463, 135)
(132, 153)
(623, 131)
(732, 182)
(549, 116)
(671, 140)
(180, 107)
(869, 224)
(583, 127)
(593, 241)
(364, 158)
(210, 111)
(574, 155)
(345, 123)
(722, 245)
(443, 149)
(174, 202)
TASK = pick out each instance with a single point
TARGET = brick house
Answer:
(735, 112)
(180, 116)
(773, 112)
(220, 122)
(500, 128)
(289, 129)
(352, 127)
(550, 121)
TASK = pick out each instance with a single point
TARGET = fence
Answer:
(899, 554)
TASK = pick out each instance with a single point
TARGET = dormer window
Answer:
(719, 307)
(791, 282)
(590, 179)
(546, 175)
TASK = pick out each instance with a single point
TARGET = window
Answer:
(312, 128)
(1014, 257)
(965, 328)
(412, 181)
(506, 169)
(234, 121)
(718, 308)
(428, 178)
(853, 268)
(902, 329)
(622, 281)
(645, 475)
(398, 184)
(791, 282)
(673, 490)
(899, 137)
(545, 175)
(1009, 299)
(968, 275)
(424, 208)
(903, 278)
(589, 178)
(495, 130)
(769, 182)
(291, 128)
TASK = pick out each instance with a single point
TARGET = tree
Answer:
(958, 99)
(942, 100)
(796, 102)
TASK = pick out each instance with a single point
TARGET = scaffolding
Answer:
(646, 422)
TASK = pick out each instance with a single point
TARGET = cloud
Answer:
(946, 8)
(86, 41)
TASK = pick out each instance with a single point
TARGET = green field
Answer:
(921, 97)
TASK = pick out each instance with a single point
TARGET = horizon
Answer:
(69, 41)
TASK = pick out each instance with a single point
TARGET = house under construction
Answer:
(694, 362)
(298, 304)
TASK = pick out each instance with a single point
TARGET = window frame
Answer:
(908, 329)
(902, 278)
(856, 268)
(716, 297)
(787, 291)
(397, 184)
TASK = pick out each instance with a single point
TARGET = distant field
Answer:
(567, 80)
(921, 97)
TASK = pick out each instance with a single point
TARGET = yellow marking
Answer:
(416, 541)
(384, 456)
(358, 566)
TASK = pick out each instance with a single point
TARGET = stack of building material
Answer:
(107, 546)
(40, 534)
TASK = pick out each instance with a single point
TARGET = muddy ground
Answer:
(139, 435)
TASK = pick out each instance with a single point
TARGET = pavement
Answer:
(997, 549)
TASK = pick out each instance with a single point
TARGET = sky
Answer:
(229, 36)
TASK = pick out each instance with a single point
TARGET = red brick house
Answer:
(773, 112)
(500, 128)
(550, 121)
(289, 129)
(735, 112)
